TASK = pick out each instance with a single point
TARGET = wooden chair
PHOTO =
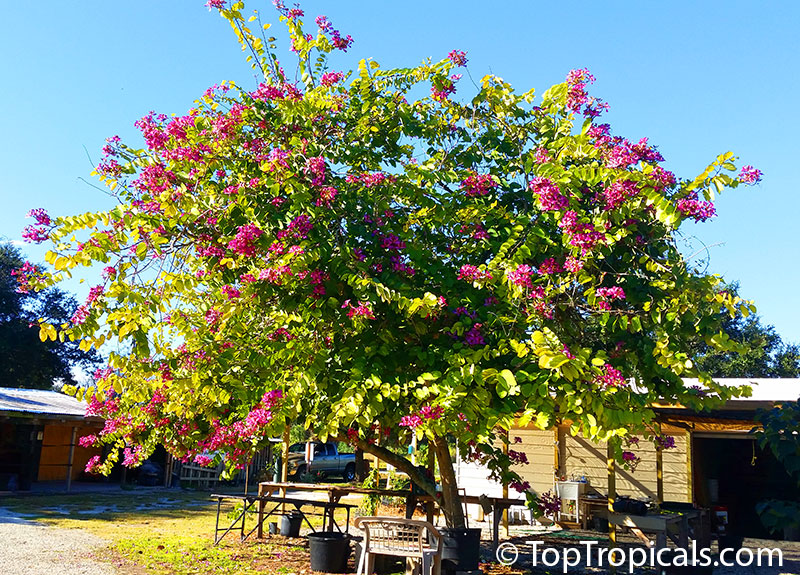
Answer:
(418, 541)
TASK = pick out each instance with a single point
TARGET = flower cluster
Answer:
(581, 235)
(550, 197)
(473, 273)
(750, 175)
(521, 276)
(245, 241)
(473, 336)
(617, 193)
(458, 58)
(607, 295)
(699, 210)
(477, 185)
(610, 377)
(665, 442)
(361, 310)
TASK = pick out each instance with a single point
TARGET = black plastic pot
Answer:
(461, 549)
(290, 524)
(329, 551)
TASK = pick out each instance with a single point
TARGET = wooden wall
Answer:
(55, 451)
(580, 457)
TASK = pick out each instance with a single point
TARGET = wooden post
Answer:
(612, 492)
(505, 487)
(71, 459)
(659, 469)
(689, 466)
(285, 463)
(246, 476)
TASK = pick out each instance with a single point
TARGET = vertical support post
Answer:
(285, 464)
(611, 467)
(71, 459)
(505, 485)
(689, 468)
(246, 477)
(556, 447)
(659, 469)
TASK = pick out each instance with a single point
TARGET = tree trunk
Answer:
(361, 467)
(451, 502)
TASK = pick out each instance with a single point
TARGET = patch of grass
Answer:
(168, 532)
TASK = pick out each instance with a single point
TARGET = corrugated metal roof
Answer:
(39, 401)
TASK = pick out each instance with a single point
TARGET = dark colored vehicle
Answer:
(326, 460)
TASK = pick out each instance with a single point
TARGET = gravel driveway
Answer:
(31, 548)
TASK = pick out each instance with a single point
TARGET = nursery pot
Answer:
(329, 551)
(290, 524)
(461, 549)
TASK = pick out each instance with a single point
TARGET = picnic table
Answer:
(665, 526)
(248, 501)
(336, 492)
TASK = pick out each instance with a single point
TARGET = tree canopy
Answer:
(25, 360)
(370, 254)
(763, 353)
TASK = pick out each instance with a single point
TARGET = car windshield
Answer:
(297, 448)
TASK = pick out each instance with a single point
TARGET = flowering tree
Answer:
(336, 249)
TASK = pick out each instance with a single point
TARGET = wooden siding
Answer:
(55, 452)
(584, 458)
(539, 447)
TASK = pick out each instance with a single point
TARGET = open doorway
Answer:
(736, 473)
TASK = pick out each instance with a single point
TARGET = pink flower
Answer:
(203, 460)
(610, 377)
(231, 292)
(331, 78)
(616, 194)
(696, 209)
(429, 412)
(573, 265)
(477, 185)
(412, 421)
(87, 441)
(750, 175)
(550, 197)
(81, 315)
(521, 276)
(218, 4)
(93, 465)
(550, 266)
(41, 216)
(244, 243)
(473, 273)
(458, 57)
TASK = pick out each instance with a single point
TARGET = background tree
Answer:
(762, 354)
(25, 360)
(781, 434)
(365, 253)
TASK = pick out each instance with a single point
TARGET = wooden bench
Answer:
(418, 541)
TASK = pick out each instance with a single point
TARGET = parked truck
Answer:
(322, 458)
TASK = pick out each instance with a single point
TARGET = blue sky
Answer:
(697, 78)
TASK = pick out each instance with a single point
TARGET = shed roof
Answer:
(764, 389)
(39, 402)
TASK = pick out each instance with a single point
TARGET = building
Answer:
(716, 460)
(39, 432)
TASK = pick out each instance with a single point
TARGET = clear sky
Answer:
(697, 78)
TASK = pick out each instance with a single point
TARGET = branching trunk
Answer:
(448, 498)
(451, 502)
(398, 461)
